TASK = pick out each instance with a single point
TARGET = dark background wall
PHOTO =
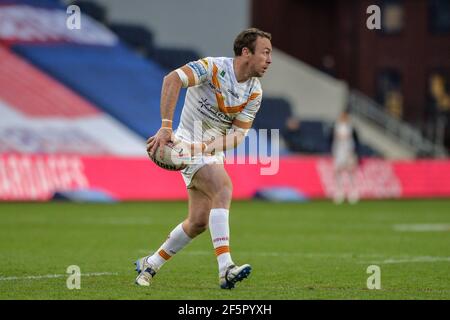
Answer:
(321, 30)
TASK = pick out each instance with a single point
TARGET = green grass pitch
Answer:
(314, 250)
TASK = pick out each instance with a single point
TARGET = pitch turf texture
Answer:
(314, 250)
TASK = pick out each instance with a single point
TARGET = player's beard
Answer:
(257, 73)
(261, 74)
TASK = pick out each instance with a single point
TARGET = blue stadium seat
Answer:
(273, 113)
(310, 137)
(172, 58)
(314, 135)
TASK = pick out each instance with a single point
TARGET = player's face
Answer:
(260, 60)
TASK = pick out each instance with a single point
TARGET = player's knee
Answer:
(197, 226)
(224, 193)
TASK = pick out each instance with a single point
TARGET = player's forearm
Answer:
(169, 97)
(226, 142)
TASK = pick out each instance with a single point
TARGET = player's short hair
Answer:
(247, 39)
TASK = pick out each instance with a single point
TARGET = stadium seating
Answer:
(309, 137)
(137, 37)
(140, 39)
(273, 113)
(172, 58)
(115, 79)
(92, 9)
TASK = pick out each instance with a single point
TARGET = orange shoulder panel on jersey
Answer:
(220, 99)
(239, 108)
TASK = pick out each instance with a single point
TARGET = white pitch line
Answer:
(424, 227)
(52, 276)
(411, 260)
(279, 254)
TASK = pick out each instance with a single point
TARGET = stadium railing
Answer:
(366, 108)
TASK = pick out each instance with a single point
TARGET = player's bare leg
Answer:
(339, 195)
(353, 194)
(195, 223)
(214, 181)
(199, 209)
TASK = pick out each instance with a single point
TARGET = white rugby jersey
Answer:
(216, 99)
(343, 143)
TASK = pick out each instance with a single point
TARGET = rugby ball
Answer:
(174, 157)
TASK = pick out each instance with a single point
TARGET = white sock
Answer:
(220, 236)
(176, 241)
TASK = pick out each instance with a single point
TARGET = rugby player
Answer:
(222, 99)
(345, 151)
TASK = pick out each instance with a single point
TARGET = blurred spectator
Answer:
(389, 91)
(345, 148)
(394, 103)
(438, 108)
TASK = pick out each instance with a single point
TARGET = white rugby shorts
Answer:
(189, 172)
(344, 161)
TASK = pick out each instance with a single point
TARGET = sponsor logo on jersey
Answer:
(211, 112)
(198, 67)
(214, 88)
(234, 94)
